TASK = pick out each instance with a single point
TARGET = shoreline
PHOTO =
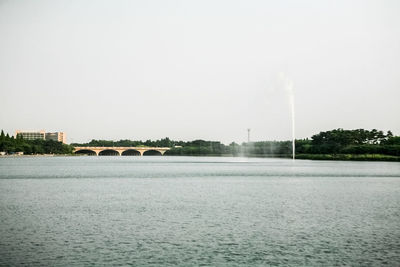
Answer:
(349, 157)
(330, 157)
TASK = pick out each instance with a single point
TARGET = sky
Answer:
(198, 69)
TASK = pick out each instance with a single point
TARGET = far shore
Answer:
(39, 155)
(330, 157)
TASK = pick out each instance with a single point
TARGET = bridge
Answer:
(121, 151)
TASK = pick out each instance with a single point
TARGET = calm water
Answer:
(74, 211)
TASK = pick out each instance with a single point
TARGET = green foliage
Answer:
(336, 140)
(355, 142)
(303, 146)
(201, 148)
(166, 142)
(11, 145)
(393, 140)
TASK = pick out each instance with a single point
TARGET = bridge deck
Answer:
(119, 150)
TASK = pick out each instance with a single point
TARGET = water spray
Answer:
(288, 86)
(291, 100)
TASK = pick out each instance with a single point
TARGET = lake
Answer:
(190, 211)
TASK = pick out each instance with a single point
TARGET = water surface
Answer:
(74, 211)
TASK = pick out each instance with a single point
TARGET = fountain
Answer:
(288, 87)
(291, 101)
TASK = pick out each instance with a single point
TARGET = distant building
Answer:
(57, 136)
(33, 135)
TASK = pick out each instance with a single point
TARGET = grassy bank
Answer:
(358, 157)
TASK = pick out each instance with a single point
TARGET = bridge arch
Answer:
(131, 152)
(152, 152)
(86, 152)
(109, 152)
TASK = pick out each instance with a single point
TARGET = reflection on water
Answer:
(198, 211)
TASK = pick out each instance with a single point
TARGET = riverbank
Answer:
(39, 155)
(343, 157)
(355, 157)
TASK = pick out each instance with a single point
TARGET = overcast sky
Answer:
(198, 69)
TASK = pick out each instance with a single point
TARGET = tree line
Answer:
(165, 142)
(201, 147)
(334, 142)
(357, 141)
(337, 141)
(11, 145)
